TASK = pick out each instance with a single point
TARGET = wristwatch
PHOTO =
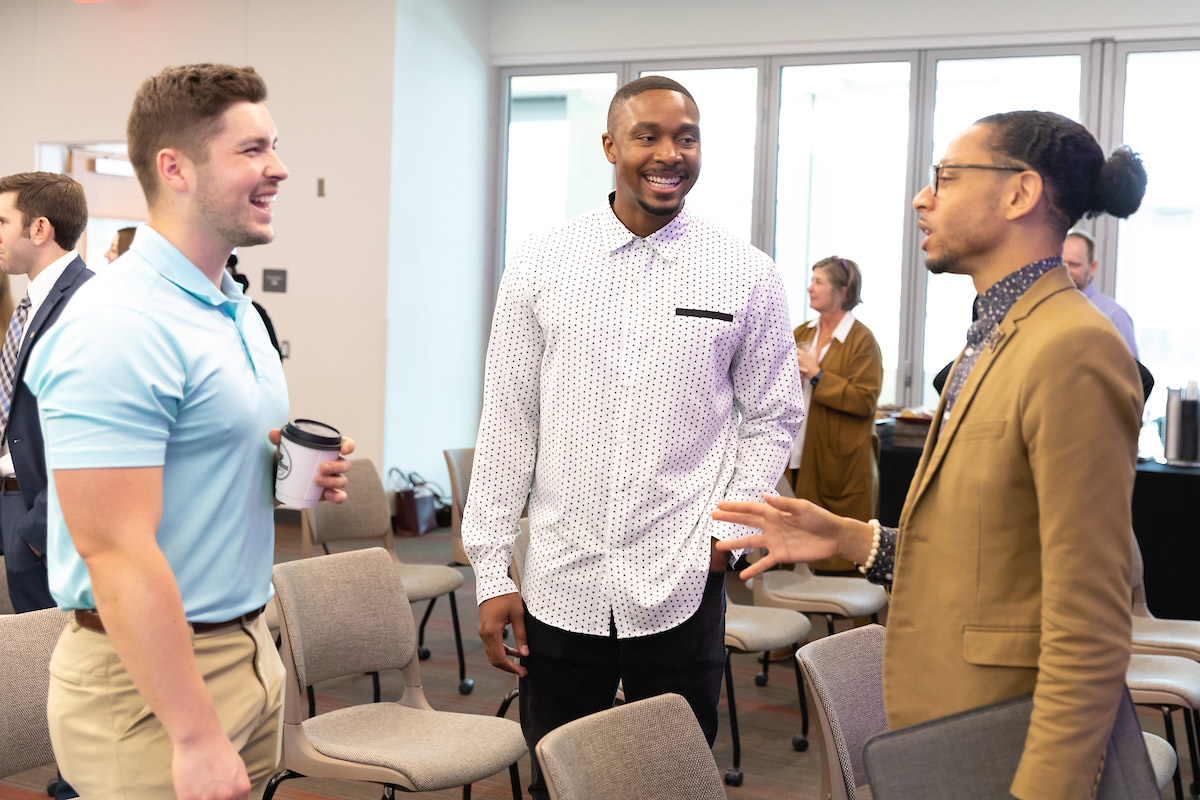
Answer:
(815, 379)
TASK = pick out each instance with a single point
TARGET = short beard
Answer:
(940, 266)
(660, 212)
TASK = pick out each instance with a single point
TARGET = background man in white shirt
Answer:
(642, 361)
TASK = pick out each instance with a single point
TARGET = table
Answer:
(1166, 516)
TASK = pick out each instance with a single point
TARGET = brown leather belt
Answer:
(10, 484)
(89, 618)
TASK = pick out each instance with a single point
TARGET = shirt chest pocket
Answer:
(700, 336)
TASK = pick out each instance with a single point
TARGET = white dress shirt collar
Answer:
(39, 288)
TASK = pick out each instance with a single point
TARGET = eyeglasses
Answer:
(936, 169)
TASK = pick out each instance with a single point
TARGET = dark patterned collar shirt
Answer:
(647, 379)
(990, 308)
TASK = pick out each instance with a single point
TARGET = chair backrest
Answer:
(651, 748)
(5, 602)
(1137, 578)
(845, 672)
(27, 642)
(341, 614)
(459, 462)
(364, 515)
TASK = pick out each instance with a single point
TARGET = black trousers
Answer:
(572, 675)
(28, 586)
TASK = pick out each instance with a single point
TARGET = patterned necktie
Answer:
(8, 360)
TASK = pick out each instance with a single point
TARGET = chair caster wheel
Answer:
(423, 653)
(760, 679)
(465, 686)
(799, 742)
(733, 777)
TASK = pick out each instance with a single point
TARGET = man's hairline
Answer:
(625, 103)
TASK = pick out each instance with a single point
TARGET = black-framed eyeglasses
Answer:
(936, 169)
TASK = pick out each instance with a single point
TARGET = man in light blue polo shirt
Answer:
(159, 392)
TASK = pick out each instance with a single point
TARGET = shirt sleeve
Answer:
(109, 384)
(506, 446)
(767, 395)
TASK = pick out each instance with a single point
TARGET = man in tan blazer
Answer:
(1010, 568)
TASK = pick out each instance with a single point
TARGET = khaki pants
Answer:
(109, 744)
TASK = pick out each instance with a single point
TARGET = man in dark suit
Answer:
(41, 218)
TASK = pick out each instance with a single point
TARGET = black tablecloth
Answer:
(1166, 516)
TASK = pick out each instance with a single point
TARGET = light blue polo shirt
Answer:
(151, 365)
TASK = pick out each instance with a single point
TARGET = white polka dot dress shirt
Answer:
(631, 385)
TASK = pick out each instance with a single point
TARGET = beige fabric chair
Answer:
(458, 462)
(365, 515)
(26, 642)
(1168, 683)
(845, 673)
(651, 749)
(5, 601)
(346, 614)
(750, 629)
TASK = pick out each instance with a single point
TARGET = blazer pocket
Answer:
(699, 312)
(985, 429)
(988, 646)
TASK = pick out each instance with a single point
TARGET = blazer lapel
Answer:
(68, 277)
(938, 444)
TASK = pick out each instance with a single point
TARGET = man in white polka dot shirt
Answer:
(641, 369)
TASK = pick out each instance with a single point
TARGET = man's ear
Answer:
(606, 140)
(41, 231)
(174, 169)
(1026, 192)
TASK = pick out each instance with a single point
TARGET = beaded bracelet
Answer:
(878, 532)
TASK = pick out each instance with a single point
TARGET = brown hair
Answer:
(124, 239)
(180, 108)
(845, 276)
(56, 197)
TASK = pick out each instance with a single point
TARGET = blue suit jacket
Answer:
(24, 432)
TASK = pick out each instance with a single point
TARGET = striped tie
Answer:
(8, 360)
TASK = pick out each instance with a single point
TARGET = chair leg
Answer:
(514, 774)
(507, 701)
(465, 684)
(312, 703)
(276, 779)
(733, 775)
(1170, 726)
(467, 792)
(800, 740)
(389, 792)
(422, 650)
(829, 624)
(761, 678)
(875, 618)
(1189, 725)
(375, 686)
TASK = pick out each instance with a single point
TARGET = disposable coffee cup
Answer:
(303, 446)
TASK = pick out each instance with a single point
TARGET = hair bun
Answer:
(1121, 185)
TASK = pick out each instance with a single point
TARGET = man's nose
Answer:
(923, 200)
(277, 170)
(667, 151)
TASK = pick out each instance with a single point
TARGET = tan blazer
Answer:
(838, 468)
(1012, 571)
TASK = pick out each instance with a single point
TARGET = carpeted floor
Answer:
(768, 716)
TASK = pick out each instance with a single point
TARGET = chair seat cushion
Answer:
(753, 629)
(433, 749)
(1174, 637)
(426, 581)
(821, 594)
(1172, 680)
(1162, 758)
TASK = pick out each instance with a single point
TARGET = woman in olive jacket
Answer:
(835, 458)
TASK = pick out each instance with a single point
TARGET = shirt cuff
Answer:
(488, 587)
(885, 560)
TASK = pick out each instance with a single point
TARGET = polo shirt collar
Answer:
(166, 259)
(666, 241)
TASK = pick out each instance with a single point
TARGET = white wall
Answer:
(71, 71)
(558, 31)
(439, 286)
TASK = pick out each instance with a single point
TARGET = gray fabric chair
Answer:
(5, 601)
(345, 614)
(459, 462)
(28, 640)
(1169, 684)
(845, 673)
(652, 749)
(750, 629)
(365, 515)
